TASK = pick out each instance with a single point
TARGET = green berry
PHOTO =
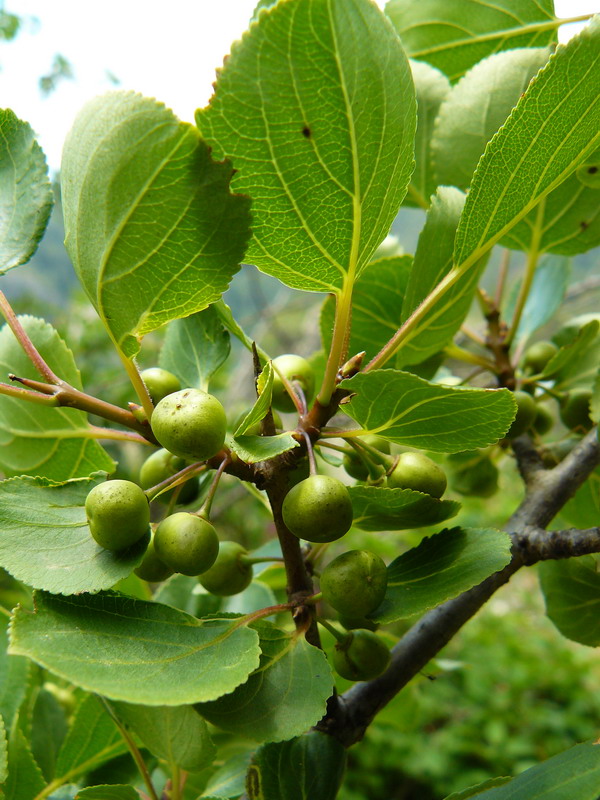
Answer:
(526, 413)
(293, 368)
(354, 583)
(361, 656)
(417, 472)
(186, 543)
(160, 383)
(190, 423)
(161, 465)
(544, 420)
(318, 509)
(152, 569)
(230, 574)
(118, 514)
(575, 410)
(538, 355)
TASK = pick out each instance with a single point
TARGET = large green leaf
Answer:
(571, 220)
(177, 734)
(576, 363)
(195, 347)
(411, 411)
(15, 672)
(46, 541)
(112, 791)
(433, 260)
(572, 593)
(133, 650)
(569, 775)
(308, 767)
(48, 730)
(453, 36)
(229, 780)
(552, 130)
(376, 304)
(442, 566)
(431, 87)
(476, 107)
(51, 442)
(285, 696)
(25, 780)
(315, 107)
(92, 740)
(151, 227)
(473, 791)
(25, 193)
(381, 509)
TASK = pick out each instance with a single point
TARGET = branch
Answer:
(547, 492)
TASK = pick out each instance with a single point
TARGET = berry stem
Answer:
(312, 461)
(204, 510)
(338, 635)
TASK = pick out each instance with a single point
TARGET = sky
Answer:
(168, 50)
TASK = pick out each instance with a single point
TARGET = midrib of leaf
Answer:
(508, 33)
(80, 769)
(484, 244)
(100, 282)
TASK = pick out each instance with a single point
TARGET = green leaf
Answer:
(179, 735)
(576, 363)
(112, 792)
(151, 227)
(476, 107)
(376, 303)
(25, 193)
(408, 410)
(572, 774)
(431, 87)
(304, 768)
(583, 509)
(552, 130)
(262, 404)
(381, 509)
(136, 651)
(285, 696)
(46, 541)
(232, 326)
(92, 740)
(256, 596)
(3, 752)
(229, 780)
(572, 593)
(474, 791)
(252, 449)
(195, 347)
(433, 260)
(48, 730)
(315, 106)
(455, 36)
(25, 780)
(441, 567)
(545, 297)
(35, 439)
(15, 674)
(571, 216)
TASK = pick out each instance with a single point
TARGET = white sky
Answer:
(168, 50)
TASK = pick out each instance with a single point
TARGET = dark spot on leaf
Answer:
(306, 132)
(583, 224)
(253, 783)
(592, 170)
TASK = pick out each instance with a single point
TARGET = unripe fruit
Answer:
(162, 465)
(152, 569)
(230, 574)
(354, 583)
(186, 543)
(190, 423)
(318, 509)
(526, 413)
(118, 514)
(354, 464)
(538, 355)
(362, 656)
(294, 368)
(544, 420)
(575, 409)
(160, 383)
(417, 472)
